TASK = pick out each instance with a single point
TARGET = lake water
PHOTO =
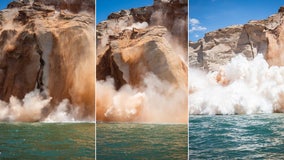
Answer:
(258, 136)
(124, 141)
(47, 141)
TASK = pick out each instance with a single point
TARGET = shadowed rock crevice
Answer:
(40, 84)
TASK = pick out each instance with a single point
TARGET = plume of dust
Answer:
(158, 18)
(67, 112)
(175, 35)
(240, 87)
(83, 93)
(75, 79)
(63, 113)
(180, 50)
(27, 110)
(157, 102)
(31, 108)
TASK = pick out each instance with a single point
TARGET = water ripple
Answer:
(47, 141)
(141, 141)
(236, 137)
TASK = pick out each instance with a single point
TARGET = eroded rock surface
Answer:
(142, 37)
(255, 37)
(49, 45)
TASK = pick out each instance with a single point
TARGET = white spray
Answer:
(240, 87)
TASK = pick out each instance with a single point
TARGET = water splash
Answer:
(240, 87)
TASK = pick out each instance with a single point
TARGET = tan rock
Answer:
(144, 52)
(127, 53)
(255, 37)
(149, 52)
(47, 47)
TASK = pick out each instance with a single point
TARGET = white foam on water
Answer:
(240, 87)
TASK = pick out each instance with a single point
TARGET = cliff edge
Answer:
(256, 37)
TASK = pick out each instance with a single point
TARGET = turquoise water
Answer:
(47, 141)
(236, 137)
(123, 141)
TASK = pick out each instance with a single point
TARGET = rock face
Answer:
(255, 37)
(133, 43)
(73, 6)
(137, 52)
(124, 37)
(49, 45)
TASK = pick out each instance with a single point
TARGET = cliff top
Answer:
(74, 6)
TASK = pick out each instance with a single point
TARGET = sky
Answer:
(4, 3)
(106, 7)
(210, 15)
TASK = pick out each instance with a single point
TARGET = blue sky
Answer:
(106, 7)
(210, 15)
(4, 3)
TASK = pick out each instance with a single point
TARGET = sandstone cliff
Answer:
(134, 43)
(49, 45)
(255, 37)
